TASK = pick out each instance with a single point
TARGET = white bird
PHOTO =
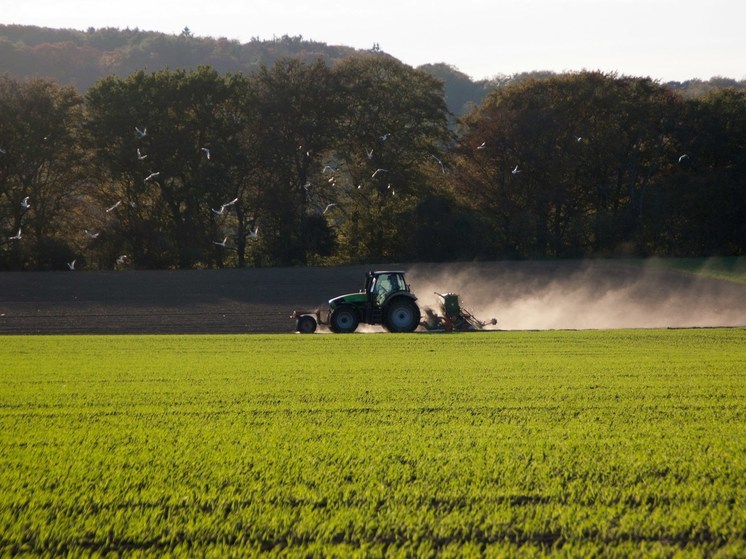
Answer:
(330, 168)
(114, 207)
(221, 211)
(151, 176)
(221, 244)
(378, 171)
(685, 156)
(24, 203)
(140, 156)
(369, 153)
(142, 133)
(385, 136)
(207, 152)
(578, 138)
(17, 236)
(71, 265)
(328, 207)
(482, 145)
(442, 168)
(122, 259)
(2, 151)
(516, 170)
(91, 235)
(255, 233)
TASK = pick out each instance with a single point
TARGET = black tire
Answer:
(401, 315)
(344, 320)
(306, 324)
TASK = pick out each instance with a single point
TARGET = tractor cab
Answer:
(379, 286)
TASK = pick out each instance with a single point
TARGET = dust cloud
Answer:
(582, 295)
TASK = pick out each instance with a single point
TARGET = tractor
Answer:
(386, 299)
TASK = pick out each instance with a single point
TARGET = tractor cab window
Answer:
(385, 284)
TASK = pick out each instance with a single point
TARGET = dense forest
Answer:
(127, 149)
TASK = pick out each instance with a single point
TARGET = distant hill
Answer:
(81, 58)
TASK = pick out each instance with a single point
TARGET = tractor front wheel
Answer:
(401, 315)
(306, 324)
(344, 320)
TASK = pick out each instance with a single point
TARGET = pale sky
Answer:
(661, 39)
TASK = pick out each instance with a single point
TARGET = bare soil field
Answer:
(521, 295)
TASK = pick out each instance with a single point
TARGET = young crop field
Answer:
(617, 443)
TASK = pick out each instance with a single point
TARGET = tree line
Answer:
(307, 162)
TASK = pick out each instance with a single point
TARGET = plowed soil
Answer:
(521, 295)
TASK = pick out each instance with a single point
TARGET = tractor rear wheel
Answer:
(401, 315)
(306, 324)
(344, 320)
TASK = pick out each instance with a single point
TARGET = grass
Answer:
(594, 443)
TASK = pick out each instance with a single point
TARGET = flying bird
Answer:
(516, 170)
(207, 152)
(24, 203)
(369, 153)
(140, 156)
(442, 168)
(2, 151)
(221, 211)
(17, 236)
(482, 145)
(91, 235)
(151, 176)
(378, 171)
(142, 133)
(122, 259)
(114, 207)
(328, 207)
(255, 233)
(225, 240)
(681, 159)
(71, 265)
(385, 136)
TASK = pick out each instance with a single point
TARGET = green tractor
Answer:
(386, 300)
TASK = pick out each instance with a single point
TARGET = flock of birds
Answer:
(253, 234)
(517, 171)
(123, 259)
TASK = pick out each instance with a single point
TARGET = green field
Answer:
(576, 443)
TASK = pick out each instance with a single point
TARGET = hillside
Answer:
(81, 58)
